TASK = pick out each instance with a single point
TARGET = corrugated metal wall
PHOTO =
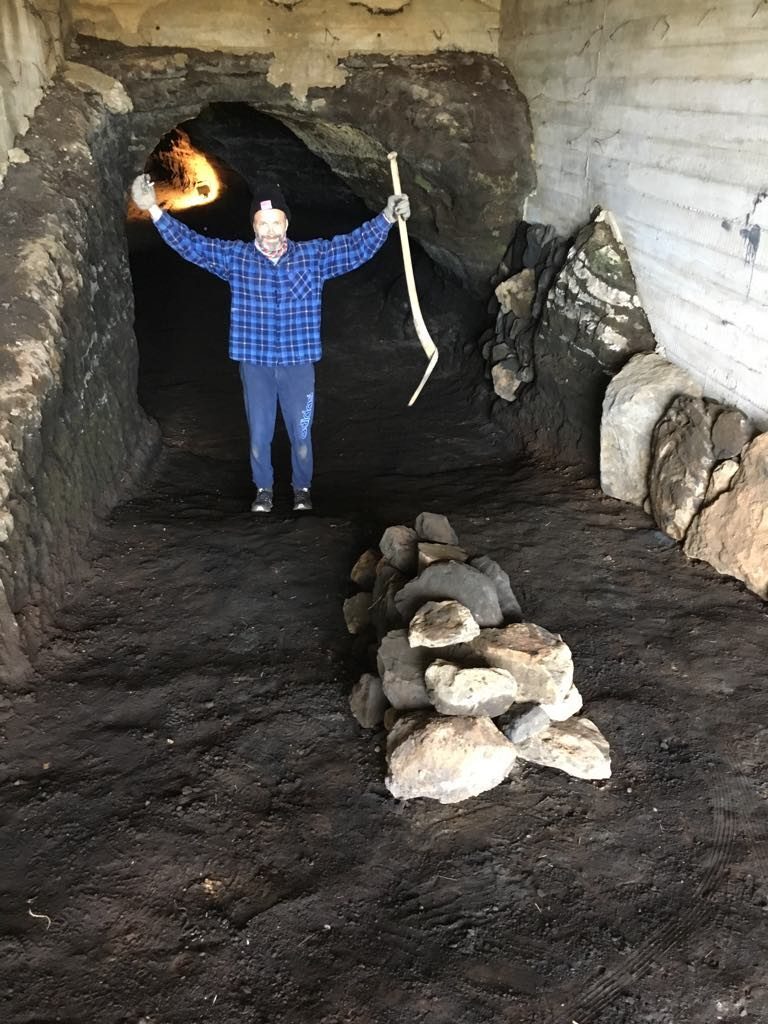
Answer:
(659, 112)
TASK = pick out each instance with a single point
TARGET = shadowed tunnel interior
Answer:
(372, 357)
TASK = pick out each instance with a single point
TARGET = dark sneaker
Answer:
(263, 502)
(302, 502)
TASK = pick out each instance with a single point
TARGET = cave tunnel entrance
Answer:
(372, 358)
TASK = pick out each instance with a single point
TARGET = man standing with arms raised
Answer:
(274, 331)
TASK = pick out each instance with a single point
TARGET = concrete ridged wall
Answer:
(30, 51)
(659, 113)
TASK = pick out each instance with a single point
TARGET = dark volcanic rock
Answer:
(456, 581)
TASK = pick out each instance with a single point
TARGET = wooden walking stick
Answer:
(418, 320)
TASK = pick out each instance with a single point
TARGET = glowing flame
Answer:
(182, 175)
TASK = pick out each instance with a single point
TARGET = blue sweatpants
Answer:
(294, 388)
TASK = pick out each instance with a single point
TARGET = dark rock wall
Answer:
(72, 434)
(457, 120)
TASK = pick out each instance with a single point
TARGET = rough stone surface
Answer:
(470, 691)
(357, 614)
(448, 759)
(594, 305)
(452, 581)
(435, 529)
(384, 613)
(363, 572)
(539, 661)
(732, 533)
(576, 747)
(401, 668)
(516, 294)
(399, 546)
(430, 553)
(506, 379)
(682, 457)
(731, 431)
(570, 705)
(88, 79)
(521, 727)
(441, 623)
(73, 439)
(720, 480)
(367, 701)
(510, 606)
(635, 401)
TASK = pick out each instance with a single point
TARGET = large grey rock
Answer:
(510, 606)
(576, 747)
(445, 581)
(430, 553)
(367, 701)
(539, 661)
(681, 463)
(401, 668)
(635, 401)
(440, 624)
(732, 430)
(593, 305)
(447, 759)
(434, 528)
(732, 533)
(398, 546)
(357, 612)
(476, 692)
(524, 726)
(383, 612)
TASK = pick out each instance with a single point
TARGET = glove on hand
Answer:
(397, 206)
(143, 192)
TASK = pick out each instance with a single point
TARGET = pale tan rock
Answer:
(720, 480)
(363, 572)
(506, 382)
(447, 759)
(430, 553)
(562, 710)
(476, 692)
(576, 747)
(88, 79)
(357, 613)
(18, 156)
(441, 623)
(539, 661)
(516, 294)
(398, 546)
(367, 701)
(732, 533)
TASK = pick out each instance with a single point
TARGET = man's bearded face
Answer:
(270, 227)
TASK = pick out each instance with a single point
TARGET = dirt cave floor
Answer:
(196, 829)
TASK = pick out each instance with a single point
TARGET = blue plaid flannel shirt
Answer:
(276, 308)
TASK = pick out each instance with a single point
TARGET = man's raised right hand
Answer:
(143, 192)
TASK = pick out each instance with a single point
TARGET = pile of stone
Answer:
(464, 687)
(521, 283)
(693, 464)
